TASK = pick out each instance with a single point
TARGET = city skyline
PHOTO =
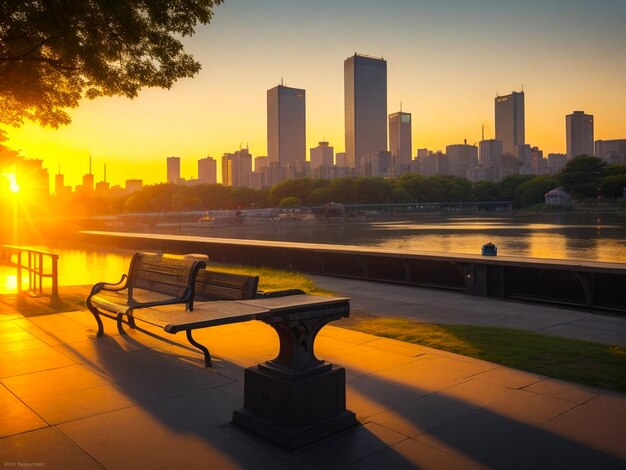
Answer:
(444, 64)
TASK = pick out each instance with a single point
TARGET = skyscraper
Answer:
(400, 141)
(173, 170)
(207, 170)
(579, 134)
(365, 96)
(286, 125)
(510, 127)
(236, 168)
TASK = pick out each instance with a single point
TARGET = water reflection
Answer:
(76, 267)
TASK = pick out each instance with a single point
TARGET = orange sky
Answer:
(445, 63)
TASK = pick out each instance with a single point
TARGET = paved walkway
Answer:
(70, 401)
(440, 306)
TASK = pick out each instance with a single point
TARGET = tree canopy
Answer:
(55, 52)
(582, 175)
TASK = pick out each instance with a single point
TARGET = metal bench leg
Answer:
(96, 315)
(119, 324)
(207, 354)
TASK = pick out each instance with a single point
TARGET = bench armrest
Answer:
(121, 285)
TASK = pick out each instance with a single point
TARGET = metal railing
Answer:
(33, 263)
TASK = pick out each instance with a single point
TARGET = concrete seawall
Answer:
(589, 285)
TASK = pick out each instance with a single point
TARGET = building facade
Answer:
(579, 134)
(286, 125)
(173, 170)
(611, 151)
(400, 140)
(365, 100)
(510, 121)
(236, 168)
(207, 170)
(461, 159)
(323, 154)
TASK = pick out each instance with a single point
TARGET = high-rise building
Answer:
(236, 168)
(173, 170)
(400, 140)
(611, 151)
(579, 134)
(207, 170)
(490, 159)
(365, 96)
(510, 127)
(323, 154)
(286, 125)
(461, 159)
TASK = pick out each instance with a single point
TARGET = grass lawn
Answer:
(584, 362)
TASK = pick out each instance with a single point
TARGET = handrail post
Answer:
(19, 272)
(55, 281)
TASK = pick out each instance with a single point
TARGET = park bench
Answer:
(152, 279)
(293, 399)
(160, 290)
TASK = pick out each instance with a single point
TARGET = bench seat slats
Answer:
(174, 319)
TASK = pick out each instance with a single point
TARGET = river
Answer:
(553, 236)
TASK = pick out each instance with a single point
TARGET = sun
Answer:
(13, 186)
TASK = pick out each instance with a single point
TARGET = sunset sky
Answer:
(446, 61)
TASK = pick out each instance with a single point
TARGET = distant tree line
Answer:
(583, 177)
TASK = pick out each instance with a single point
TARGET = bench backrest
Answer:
(214, 285)
(163, 274)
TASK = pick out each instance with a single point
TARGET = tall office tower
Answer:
(461, 159)
(323, 154)
(207, 171)
(611, 151)
(173, 170)
(286, 125)
(579, 134)
(400, 141)
(260, 162)
(510, 128)
(365, 97)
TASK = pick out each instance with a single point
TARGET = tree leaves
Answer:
(55, 52)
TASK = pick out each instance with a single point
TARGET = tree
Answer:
(485, 191)
(290, 202)
(613, 186)
(55, 52)
(533, 191)
(581, 176)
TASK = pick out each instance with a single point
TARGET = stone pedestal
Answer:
(296, 399)
(294, 413)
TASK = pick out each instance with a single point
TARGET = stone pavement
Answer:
(441, 306)
(70, 401)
